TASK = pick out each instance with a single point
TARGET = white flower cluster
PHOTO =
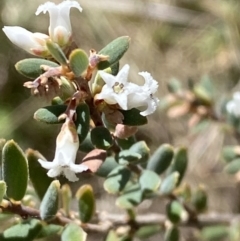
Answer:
(60, 30)
(127, 95)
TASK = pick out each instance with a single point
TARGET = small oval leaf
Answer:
(49, 204)
(14, 170)
(101, 138)
(115, 50)
(3, 189)
(86, 203)
(161, 159)
(78, 61)
(31, 68)
(50, 114)
(133, 117)
(72, 232)
(149, 181)
(169, 183)
(40, 180)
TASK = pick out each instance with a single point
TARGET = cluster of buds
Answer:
(73, 71)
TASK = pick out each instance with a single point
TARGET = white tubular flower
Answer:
(60, 30)
(33, 43)
(67, 144)
(144, 97)
(118, 90)
(233, 106)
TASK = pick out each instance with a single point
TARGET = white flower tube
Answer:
(60, 30)
(33, 43)
(67, 144)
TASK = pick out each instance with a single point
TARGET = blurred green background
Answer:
(183, 39)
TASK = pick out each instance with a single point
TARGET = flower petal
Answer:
(70, 175)
(54, 172)
(47, 165)
(78, 168)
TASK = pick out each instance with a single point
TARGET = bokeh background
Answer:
(182, 39)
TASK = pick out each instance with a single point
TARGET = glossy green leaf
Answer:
(72, 232)
(127, 156)
(149, 181)
(49, 204)
(108, 165)
(233, 167)
(56, 52)
(125, 144)
(176, 212)
(3, 189)
(50, 114)
(86, 203)
(133, 117)
(101, 138)
(82, 121)
(180, 163)
(14, 170)
(161, 159)
(49, 230)
(117, 179)
(171, 234)
(38, 176)
(142, 149)
(169, 183)
(145, 232)
(86, 145)
(115, 50)
(199, 199)
(78, 61)
(31, 68)
(130, 198)
(215, 233)
(25, 231)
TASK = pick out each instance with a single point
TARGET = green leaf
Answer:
(66, 198)
(78, 61)
(127, 156)
(31, 68)
(215, 233)
(49, 230)
(40, 180)
(50, 114)
(82, 121)
(133, 117)
(56, 52)
(86, 145)
(230, 153)
(171, 234)
(86, 203)
(3, 189)
(142, 149)
(117, 179)
(161, 159)
(112, 236)
(72, 232)
(233, 167)
(25, 231)
(101, 138)
(125, 144)
(108, 165)
(147, 231)
(199, 199)
(169, 183)
(49, 204)
(180, 163)
(130, 198)
(176, 212)
(115, 50)
(14, 170)
(149, 181)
